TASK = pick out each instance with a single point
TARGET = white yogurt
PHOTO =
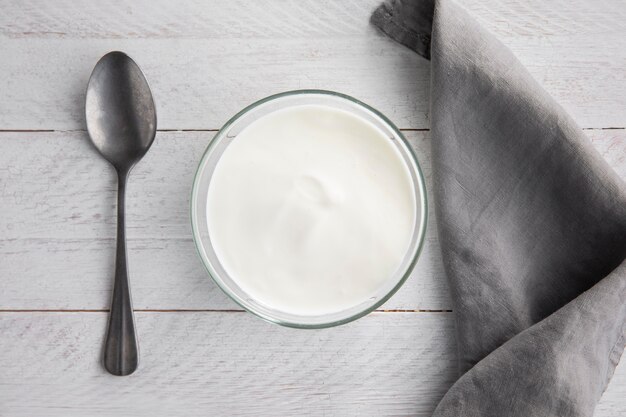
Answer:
(311, 209)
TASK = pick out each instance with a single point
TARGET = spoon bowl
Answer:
(120, 111)
(121, 121)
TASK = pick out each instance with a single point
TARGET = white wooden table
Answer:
(205, 60)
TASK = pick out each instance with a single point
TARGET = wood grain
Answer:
(226, 364)
(58, 205)
(232, 364)
(58, 200)
(207, 60)
(612, 402)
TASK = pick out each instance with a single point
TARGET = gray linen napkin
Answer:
(532, 224)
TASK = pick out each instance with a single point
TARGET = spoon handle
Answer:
(121, 352)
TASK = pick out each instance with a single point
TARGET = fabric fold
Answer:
(532, 224)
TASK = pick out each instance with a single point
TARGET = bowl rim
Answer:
(422, 204)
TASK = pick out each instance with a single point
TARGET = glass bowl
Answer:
(202, 180)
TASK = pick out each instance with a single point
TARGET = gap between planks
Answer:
(185, 311)
(217, 130)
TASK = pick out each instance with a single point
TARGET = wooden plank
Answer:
(165, 275)
(56, 185)
(204, 88)
(227, 364)
(232, 364)
(612, 402)
(206, 60)
(278, 18)
(58, 205)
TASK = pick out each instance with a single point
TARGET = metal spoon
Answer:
(121, 120)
